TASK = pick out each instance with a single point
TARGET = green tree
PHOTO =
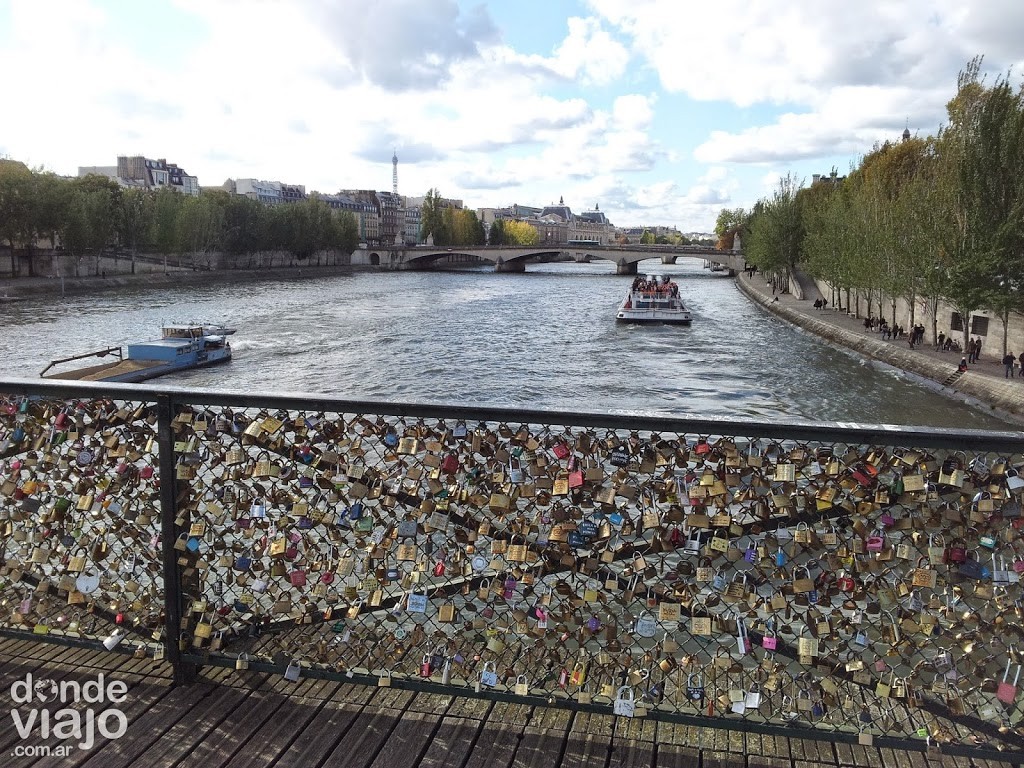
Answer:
(980, 231)
(497, 235)
(776, 232)
(646, 238)
(15, 206)
(520, 233)
(134, 211)
(163, 231)
(432, 218)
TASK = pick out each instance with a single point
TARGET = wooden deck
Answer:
(248, 719)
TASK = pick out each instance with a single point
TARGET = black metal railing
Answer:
(856, 582)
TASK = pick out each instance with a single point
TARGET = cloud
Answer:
(401, 45)
(590, 54)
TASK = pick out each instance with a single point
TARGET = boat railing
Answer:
(98, 353)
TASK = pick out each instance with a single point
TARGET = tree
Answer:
(15, 206)
(163, 232)
(344, 232)
(646, 238)
(520, 233)
(980, 232)
(497, 235)
(432, 218)
(134, 212)
(776, 233)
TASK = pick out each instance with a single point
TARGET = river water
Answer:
(545, 339)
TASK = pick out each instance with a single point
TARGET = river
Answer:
(544, 339)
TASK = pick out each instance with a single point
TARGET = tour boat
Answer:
(181, 346)
(660, 304)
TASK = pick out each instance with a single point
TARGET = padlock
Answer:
(695, 687)
(624, 704)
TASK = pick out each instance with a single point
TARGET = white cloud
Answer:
(321, 93)
(590, 54)
(851, 74)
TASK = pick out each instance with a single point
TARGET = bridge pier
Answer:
(666, 259)
(509, 266)
(626, 267)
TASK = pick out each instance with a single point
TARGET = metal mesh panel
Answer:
(828, 585)
(735, 579)
(80, 519)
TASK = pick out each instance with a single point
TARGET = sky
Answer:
(660, 112)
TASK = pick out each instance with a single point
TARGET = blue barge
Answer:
(180, 347)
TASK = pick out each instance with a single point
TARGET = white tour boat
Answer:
(653, 301)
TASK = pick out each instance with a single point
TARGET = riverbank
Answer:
(24, 287)
(983, 385)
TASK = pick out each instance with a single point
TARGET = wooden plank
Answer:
(267, 744)
(713, 759)
(451, 743)
(762, 761)
(408, 740)
(431, 703)
(594, 724)
(496, 745)
(470, 708)
(187, 734)
(142, 695)
(677, 756)
(364, 739)
(550, 718)
(176, 709)
(322, 735)
(584, 748)
(636, 729)
(539, 748)
(629, 753)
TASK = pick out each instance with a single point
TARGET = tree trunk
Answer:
(893, 302)
(913, 308)
(1005, 317)
(847, 301)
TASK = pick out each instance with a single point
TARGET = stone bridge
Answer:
(514, 258)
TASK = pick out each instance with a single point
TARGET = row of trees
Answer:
(448, 225)
(931, 219)
(94, 214)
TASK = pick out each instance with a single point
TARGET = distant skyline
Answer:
(662, 112)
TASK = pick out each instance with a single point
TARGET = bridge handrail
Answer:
(314, 536)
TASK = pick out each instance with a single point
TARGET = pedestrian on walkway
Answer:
(977, 349)
(1021, 365)
(941, 341)
(1008, 360)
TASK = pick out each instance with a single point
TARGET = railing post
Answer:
(184, 673)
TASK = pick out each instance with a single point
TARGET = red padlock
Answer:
(450, 464)
(425, 668)
(957, 552)
(845, 582)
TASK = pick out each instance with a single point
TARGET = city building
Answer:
(268, 192)
(366, 214)
(413, 222)
(144, 173)
(388, 206)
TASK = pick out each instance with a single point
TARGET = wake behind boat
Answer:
(653, 301)
(181, 346)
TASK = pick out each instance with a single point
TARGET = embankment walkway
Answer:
(983, 384)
